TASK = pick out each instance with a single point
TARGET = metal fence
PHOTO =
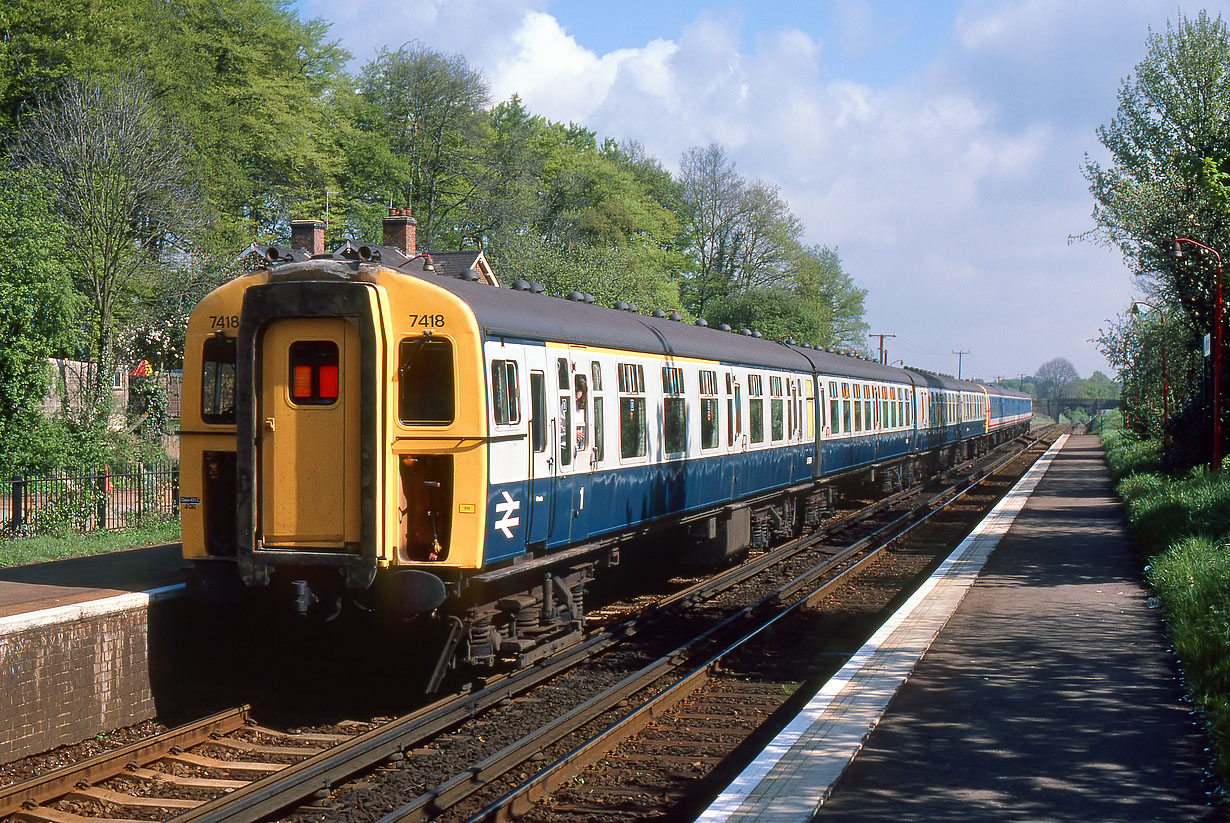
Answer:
(90, 501)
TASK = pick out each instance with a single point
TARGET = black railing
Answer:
(90, 501)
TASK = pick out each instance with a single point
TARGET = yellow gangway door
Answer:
(308, 434)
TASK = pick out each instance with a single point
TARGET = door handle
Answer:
(269, 424)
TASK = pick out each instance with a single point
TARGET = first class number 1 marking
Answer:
(431, 321)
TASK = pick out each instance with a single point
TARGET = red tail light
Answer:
(328, 382)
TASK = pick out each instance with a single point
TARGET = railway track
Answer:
(606, 690)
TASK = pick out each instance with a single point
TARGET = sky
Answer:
(937, 145)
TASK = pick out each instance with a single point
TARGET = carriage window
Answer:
(846, 424)
(709, 423)
(755, 408)
(218, 380)
(505, 392)
(599, 429)
(730, 417)
(674, 426)
(632, 434)
(565, 414)
(538, 411)
(631, 427)
(858, 408)
(313, 373)
(425, 381)
(674, 412)
(581, 393)
(777, 422)
(834, 408)
(708, 410)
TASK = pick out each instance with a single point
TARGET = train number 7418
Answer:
(433, 321)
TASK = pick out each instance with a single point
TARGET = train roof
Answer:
(506, 312)
(534, 315)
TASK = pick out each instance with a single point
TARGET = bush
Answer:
(1192, 579)
(1181, 524)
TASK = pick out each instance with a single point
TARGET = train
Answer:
(362, 430)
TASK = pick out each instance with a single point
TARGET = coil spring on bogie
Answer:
(481, 649)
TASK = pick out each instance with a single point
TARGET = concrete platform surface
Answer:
(1050, 694)
(67, 582)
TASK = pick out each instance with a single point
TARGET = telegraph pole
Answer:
(960, 355)
(883, 358)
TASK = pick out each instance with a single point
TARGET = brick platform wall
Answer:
(70, 673)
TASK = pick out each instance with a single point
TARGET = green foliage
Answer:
(1110, 421)
(37, 303)
(43, 548)
(1182, 525)
(607, 275)
(148, 402)
(1192, 578)
(775, 312)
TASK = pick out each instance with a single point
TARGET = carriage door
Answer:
(307, 433)
(565, 444)
(542, 459)
(736, 439)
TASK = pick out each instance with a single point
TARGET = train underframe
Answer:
(525, 611)
(522, 613)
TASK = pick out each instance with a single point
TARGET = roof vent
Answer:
(589, 299)
(702, 322)
(536, 288)
(470, 274)
(757, 334)
(676, 316)
(632, 308)
(725, 327)
(620, 306)
(747, 332)
(520, 285)
(658, 313)
(576, 297)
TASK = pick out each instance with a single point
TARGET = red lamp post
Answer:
(1177, 251)
(1165, 378)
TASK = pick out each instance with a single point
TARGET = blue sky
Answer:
(937, 146)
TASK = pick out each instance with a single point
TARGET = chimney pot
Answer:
(399, 229)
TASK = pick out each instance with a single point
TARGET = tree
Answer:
(1054, 378)
(741, 234)
(429, 107)
(37, 304)
(123, 184)
(609, 275)
(1168, 143)
(828, 293)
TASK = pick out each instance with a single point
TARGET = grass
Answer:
(44, 548)
(1182, 525)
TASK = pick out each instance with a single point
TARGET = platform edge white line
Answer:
(994, 525)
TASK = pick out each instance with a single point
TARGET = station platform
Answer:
(39, 586)
(1027, 679)
(79, 641)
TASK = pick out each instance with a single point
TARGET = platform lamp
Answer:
(1136, 304)
(1176, 251)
